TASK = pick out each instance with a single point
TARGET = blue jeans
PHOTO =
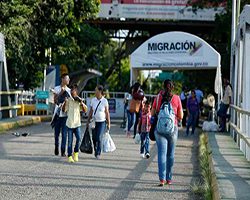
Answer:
(77, 132)
(60, 126)
(97, 134)
(166, 149)
(137, 117)
(222, 113)
(192, 120)
(131, 117)
(144, 142)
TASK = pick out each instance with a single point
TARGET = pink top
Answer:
(145, 122)
(175, 102)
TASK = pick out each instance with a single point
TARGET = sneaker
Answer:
(128, 134)
(162, 183)
(97, 157)
(63, 154)
(76, 156)
(70, 159)
(142, 155)
(169, 182)
(147, 155)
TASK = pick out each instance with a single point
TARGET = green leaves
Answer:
(32, 26)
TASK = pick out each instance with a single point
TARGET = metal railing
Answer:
(18, 99)
(11, 107)
(89, 94)
(240, 125)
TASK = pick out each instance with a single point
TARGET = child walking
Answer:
(144, 127)
(73, 106)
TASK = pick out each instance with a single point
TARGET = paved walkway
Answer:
(231, 167)
(29, 170)
(19, 121)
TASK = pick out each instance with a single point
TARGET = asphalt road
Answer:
(29, 170)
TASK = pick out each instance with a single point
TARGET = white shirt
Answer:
(57, 90)
(228, 93)
(100, 115)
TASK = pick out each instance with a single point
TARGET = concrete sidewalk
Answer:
(231, 168)
(20, 121)
(29, 169)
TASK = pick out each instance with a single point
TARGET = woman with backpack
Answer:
(169, 104)
(193, 110)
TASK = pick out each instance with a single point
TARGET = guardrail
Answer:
(12, 107)
(20, 100)
(240, 125)
(89, 94)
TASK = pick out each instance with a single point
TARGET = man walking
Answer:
(60, 93)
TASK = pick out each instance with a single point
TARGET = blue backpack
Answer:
(166, 119)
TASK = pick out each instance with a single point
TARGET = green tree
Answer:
(32, 26)
(222, 32)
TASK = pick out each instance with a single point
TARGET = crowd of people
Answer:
(68, 121)
(157, 120)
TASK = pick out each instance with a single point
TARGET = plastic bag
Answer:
(137, 138)
(86, 145)
(108, 143)
(92, 123)
(210, 126)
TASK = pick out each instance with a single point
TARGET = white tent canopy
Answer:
(175, 51)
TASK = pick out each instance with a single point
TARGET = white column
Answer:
(246, 85)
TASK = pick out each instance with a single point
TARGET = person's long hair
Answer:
(136, 87)
(168, 88)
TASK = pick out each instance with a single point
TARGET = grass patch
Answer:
(203, 188)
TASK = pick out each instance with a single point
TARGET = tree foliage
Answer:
(223, 22)
(33, 26)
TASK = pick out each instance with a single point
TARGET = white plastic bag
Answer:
(108, 143)
(210, 126)
(137, 138)
(92, 123)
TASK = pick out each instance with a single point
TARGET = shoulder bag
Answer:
(92, 121)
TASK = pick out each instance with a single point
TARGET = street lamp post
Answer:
(48, 53)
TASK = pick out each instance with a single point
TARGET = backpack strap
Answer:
(168, 102)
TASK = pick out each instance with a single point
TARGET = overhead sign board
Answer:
(156, 9)
(173, 50)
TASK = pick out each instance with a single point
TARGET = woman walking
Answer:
(193, 110)
(138, 95)
(130, 115)
(99, 111)
(166, 143)
(73, 106)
